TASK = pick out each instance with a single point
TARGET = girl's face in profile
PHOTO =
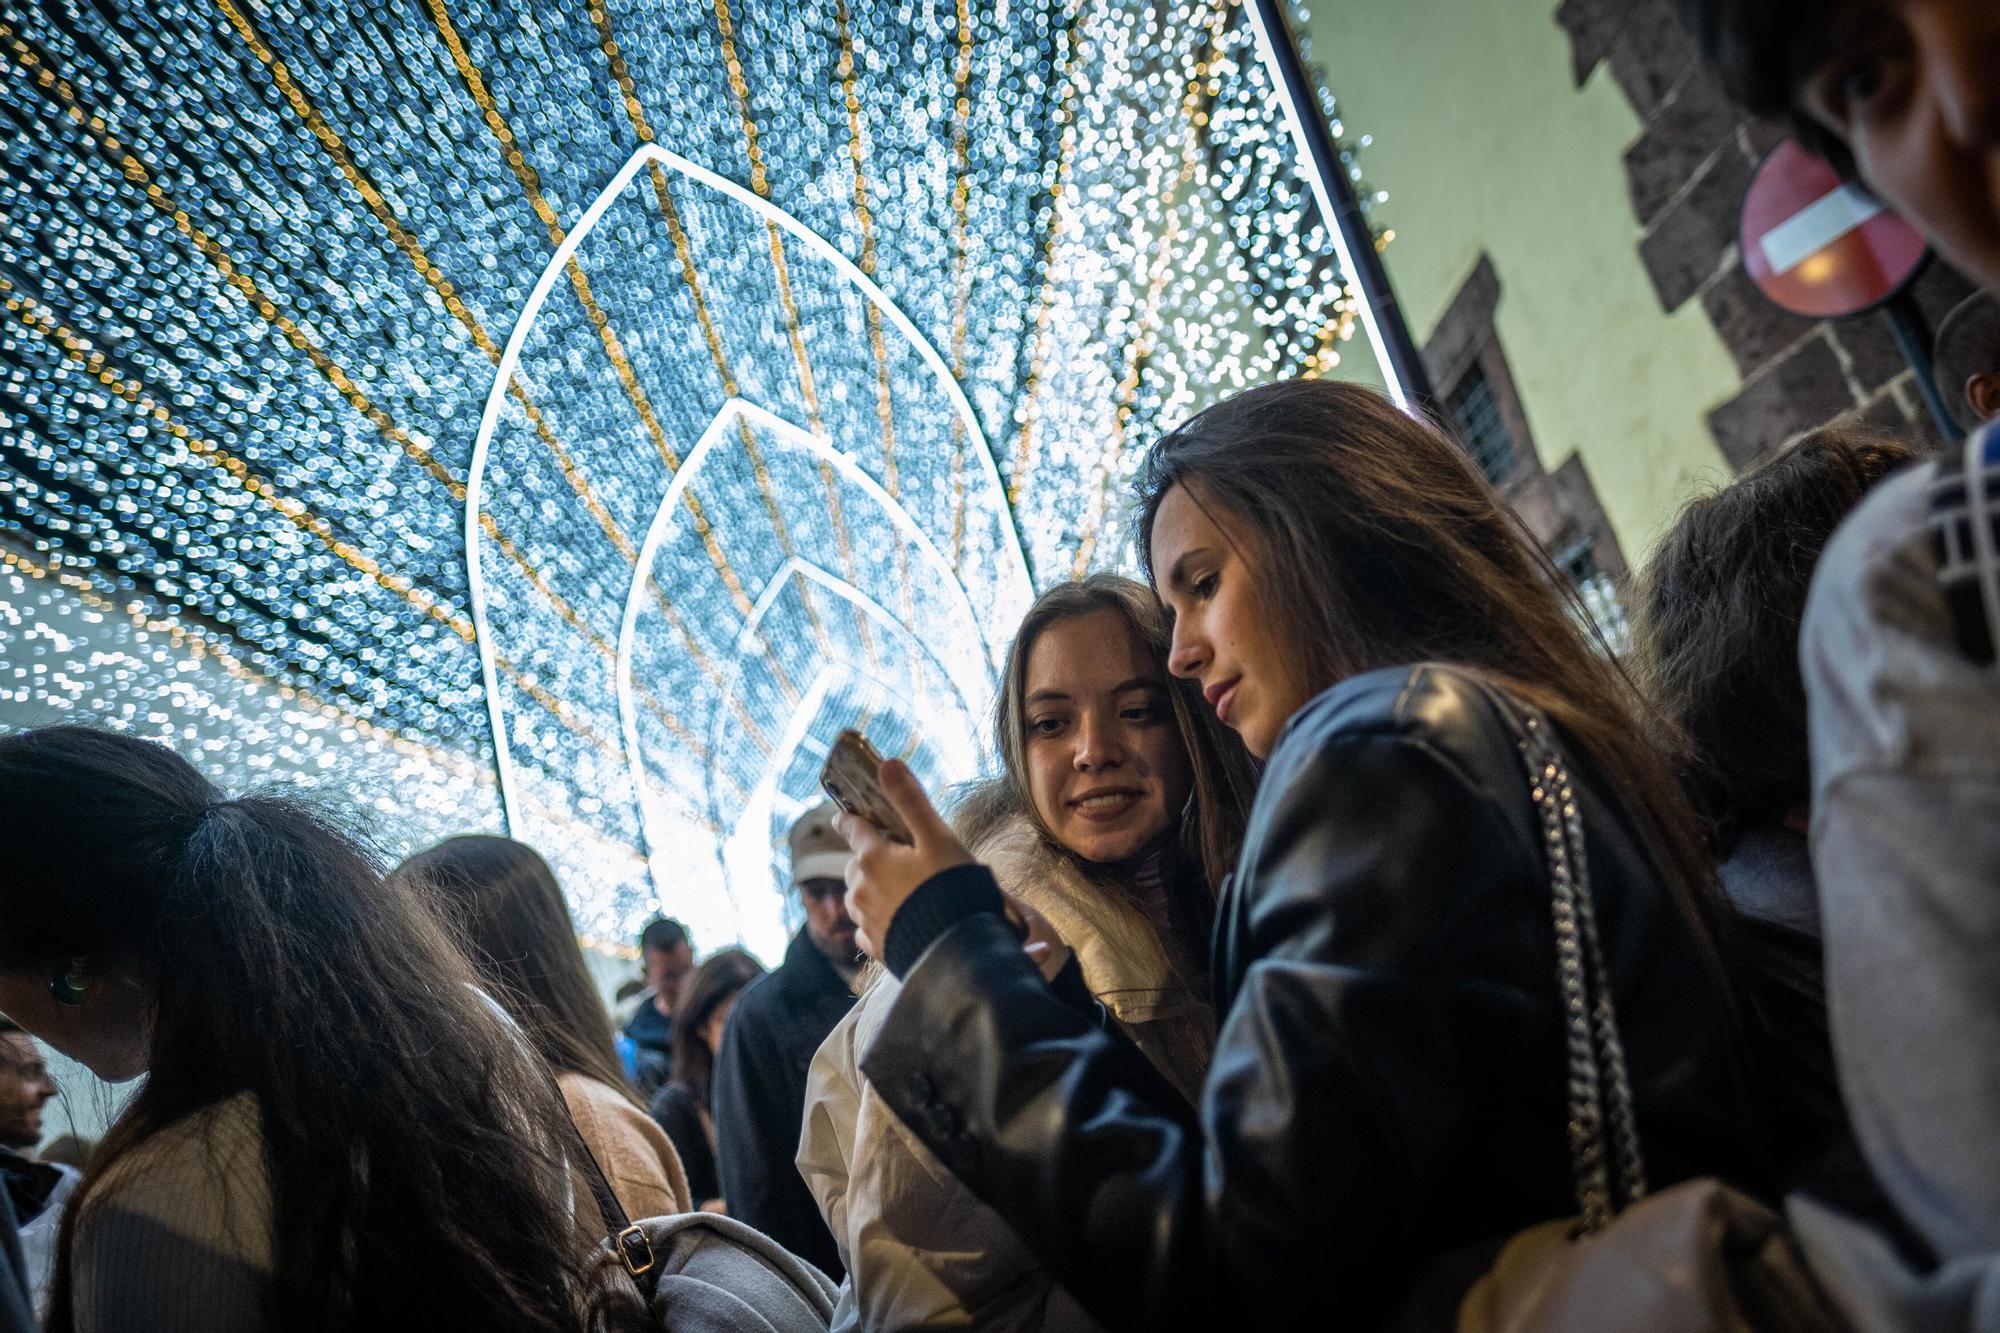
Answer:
(1223, 637)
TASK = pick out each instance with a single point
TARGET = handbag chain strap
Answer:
(1609, 1172)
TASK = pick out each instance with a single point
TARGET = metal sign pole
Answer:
(1402, 365)
(1915, 340)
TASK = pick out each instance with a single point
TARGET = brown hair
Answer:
(721, 977)
(1380, 545)
(1223, 780)
(1968, 344)
(507, 911)
(410, 1141)
(1717, 627)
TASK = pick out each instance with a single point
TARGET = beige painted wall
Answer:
(1484, 143)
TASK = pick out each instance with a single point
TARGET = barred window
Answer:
(1475, 412)
(1599, 595)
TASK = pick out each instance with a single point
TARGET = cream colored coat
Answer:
(921, 1251)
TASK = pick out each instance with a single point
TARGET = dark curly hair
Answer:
(1718, 625)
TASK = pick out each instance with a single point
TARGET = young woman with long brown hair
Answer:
(1118, 808)
(335, 1131)
(682, 1106)
(1389, 1082)
(504, 906)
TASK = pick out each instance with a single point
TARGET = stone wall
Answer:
(1687, 173)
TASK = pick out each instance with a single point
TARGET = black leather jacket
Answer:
(1389, 1082)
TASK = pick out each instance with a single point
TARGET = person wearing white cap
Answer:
(777, 1025)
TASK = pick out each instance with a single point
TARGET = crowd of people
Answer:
(1346, 931)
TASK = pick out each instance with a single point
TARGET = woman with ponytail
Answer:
(336, 1129)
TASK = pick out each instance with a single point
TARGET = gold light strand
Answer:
(201, 647)
(635, 112)
(139, 174)
(739, 85)
(961, 278)
(1066, 107)
(848, 71)
(614, 349)
(378, 205)
(1140, 347)
(42, 321)
(232, 273)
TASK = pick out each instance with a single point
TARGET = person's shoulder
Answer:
(1433, 707)
(760, 1001)
(593, 1103)
(589, 1096)
(203, 1177)
(1878, 564)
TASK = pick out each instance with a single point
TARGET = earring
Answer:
(64, 986)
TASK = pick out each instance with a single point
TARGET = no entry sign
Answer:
(1819, 246)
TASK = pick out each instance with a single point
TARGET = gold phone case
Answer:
(849, 778)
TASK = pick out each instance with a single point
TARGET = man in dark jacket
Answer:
(777, 1025)
(667, 954)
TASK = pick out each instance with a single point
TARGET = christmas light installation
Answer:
(259, 265)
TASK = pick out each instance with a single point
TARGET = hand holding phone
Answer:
(852, 778)
(899, 839)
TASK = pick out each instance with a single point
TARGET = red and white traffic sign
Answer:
(1818, 245)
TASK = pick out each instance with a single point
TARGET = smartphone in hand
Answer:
(850, 779)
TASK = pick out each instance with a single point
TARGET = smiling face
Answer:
(1223, 637)
(1910, 86)
(1106, 768)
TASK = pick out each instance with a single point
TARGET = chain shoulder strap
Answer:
(1605, 1159)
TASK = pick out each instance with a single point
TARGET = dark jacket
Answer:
(760, 1097)
(1388, 1086)
(677, 1110)
(652, 1033)
(17, 1309)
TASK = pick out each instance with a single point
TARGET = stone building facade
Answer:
(1687, 173)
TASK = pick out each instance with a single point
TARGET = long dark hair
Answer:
(1381, 545)
(721, 977)
(507, 911)
(1717, 628)
(416, 1178)
(1224, 783)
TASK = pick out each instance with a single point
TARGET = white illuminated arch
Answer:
(644, 155)
(741, 412)
(795, 567)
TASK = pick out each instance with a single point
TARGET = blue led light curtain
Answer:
(820, 397)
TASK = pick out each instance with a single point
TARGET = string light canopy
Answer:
(568, 418)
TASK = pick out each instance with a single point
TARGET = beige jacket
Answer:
(177, 1233)
(921, 1251)
(633, 1152)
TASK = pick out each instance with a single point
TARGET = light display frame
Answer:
(252, 251)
